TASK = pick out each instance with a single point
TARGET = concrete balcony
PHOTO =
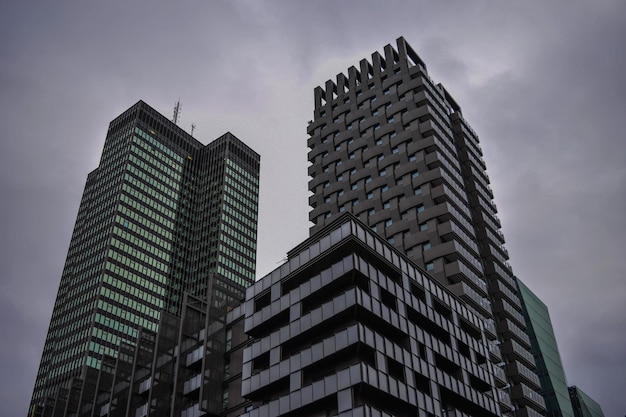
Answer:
(466, 293)
(457, 271)
(503, 307)
(520, 373)
(526, 396)
(507, 327)
(516, 351)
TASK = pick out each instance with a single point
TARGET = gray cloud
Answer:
(540, 82)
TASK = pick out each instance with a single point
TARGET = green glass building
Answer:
(163, 214)
(546, 354)
(584, 405)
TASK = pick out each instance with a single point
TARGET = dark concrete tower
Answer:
(392, 147)
(162, 215)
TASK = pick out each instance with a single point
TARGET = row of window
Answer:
(124, 260)
(172, 170)
(243, 208)
(160, 146)
(174, 183)
(252, 178)
(147, 200)
(139, 285)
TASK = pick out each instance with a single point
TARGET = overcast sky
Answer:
(542, 83)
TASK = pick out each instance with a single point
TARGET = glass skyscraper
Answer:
(161, 216)
(584, 405)
(546, 353)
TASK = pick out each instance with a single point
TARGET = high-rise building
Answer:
(348, 326)
(392, 147)
(584, 405)
(546, 353)
(161, 216)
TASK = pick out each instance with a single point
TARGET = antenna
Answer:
(193, 127)
(177, 111)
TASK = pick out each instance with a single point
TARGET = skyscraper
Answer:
(392, 147)
(584, 405)
(161, 216)
(546, 353)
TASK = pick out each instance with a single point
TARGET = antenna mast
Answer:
(193, 127)
(177, 111)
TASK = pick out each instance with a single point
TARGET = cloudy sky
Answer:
(541, 82)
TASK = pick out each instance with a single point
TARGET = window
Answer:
(380, 157)
(386, 91)
(340, 193)
(355, 203)
(390, 120)
(337, 148)
(386, 205)
(340, 178)
(352, 155)
(327, 215)
(426, 246)
(388, 222)
(342, 209)
(423, 226)
(382, 172)
(379, 141)
(417, 191)
(371, 212)
(430, 266)
(377, 126)
(353, 171)
(413, 158)
(392, 135)
(370, 196)
(368, 179)
(415, 174)
(375, 112)
(354, 187)
(350, 127)
(384, 188)
(395, 150)
(420, 208)
(327, 200)
(391, 240)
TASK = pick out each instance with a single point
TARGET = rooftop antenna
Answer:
(177, 111)
(193, 127)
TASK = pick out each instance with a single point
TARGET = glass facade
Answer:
(584, 405)
(546, 353)
(162, 215)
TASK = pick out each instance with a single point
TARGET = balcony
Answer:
(499, 376)
(520, 373)
(526, 396)
(490, 329)
(498, 287)
(508, 327)
(463, 291)
(504, 400)
(494, 352)
(501, 306)
(516, 351)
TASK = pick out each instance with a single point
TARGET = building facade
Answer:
(584, 405)
(348, 326)
(546, 353)
(392, 147)
(161, 216)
